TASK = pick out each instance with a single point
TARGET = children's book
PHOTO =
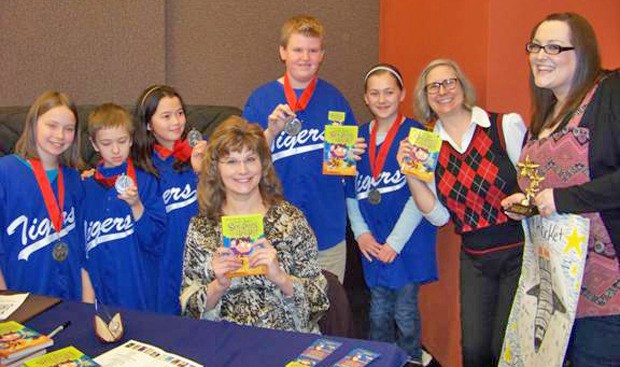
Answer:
(315, 353)
(357, 358)
(65, 357)
(19, 362)
(17, 340)
(240, 232)
(337, 150)
(422, 160)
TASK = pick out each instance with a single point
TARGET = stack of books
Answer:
(19, 343)
(68, 356)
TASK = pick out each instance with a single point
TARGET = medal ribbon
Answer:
(181, 150)
(54, 208)
(377, 161)
(108, 182)
(291, 98)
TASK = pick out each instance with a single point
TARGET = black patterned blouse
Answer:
(254, 300)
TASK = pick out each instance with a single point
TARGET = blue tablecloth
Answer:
(213, 344)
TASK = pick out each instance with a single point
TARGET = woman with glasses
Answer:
(575, 138)
(476, 170)
(238, 178)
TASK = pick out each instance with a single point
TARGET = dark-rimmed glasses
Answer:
(447, 84)
(550, 49)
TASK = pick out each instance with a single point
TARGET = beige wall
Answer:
(214, 52)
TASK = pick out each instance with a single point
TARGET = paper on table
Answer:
(8, 304)
(137, 354)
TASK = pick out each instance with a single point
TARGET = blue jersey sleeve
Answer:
(252, 111)
(151, 226)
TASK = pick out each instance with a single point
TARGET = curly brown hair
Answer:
(233, 135)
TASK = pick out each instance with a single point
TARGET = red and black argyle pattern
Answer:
(471, 185)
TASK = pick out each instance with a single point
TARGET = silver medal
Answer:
(292, 126)
(374, 197)
(194, 137)
(123, 182)
(60, 251)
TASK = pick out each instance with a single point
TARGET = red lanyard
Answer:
(54, 208)
(376, 164)
(181, 150)
(108, 182)
(291, 98)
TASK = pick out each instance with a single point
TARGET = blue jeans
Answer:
(394, 317)
(595, 341)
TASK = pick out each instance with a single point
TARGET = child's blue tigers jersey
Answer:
(118, 248)
(178, 191)
(28, 236)
(298, 159)
(416, 261)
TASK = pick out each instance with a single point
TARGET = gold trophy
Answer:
(526, 207)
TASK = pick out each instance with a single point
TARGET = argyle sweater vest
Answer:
(471, 185)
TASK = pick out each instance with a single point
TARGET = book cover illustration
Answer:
(422, 160)
(337, 150)
(357, 358)
(18, 340)
(315, 353)
(65, 357)
(239, 233)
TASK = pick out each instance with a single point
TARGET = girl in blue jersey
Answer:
(123, 215)
(41, 243)
(160, 148)
(398, 244)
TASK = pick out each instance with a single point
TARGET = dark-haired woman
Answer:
(575, 137)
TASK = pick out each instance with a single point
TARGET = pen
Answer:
(59, 329)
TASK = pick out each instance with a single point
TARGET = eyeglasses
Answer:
(550, 49)
(250, 161)
(447, 84)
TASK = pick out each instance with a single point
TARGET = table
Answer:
(213, 344)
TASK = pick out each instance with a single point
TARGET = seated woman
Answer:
(237, 177)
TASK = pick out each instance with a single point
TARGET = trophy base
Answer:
(525, 210)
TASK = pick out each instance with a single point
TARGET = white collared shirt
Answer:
(512, 125)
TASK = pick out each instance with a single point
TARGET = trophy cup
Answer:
(526, 207)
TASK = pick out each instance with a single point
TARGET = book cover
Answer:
(315, 353)
(17, 340)
(19, 362)
(239, 233)
(357, 358)
(337, 150)
(422, 160)
(65, 357)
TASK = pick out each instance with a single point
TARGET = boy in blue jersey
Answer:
(123, 215)
(294, 110)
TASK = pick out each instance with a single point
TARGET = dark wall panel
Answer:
(214, 52)
(218, 52)
(96, 51)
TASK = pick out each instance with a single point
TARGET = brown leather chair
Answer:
(337, 319)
